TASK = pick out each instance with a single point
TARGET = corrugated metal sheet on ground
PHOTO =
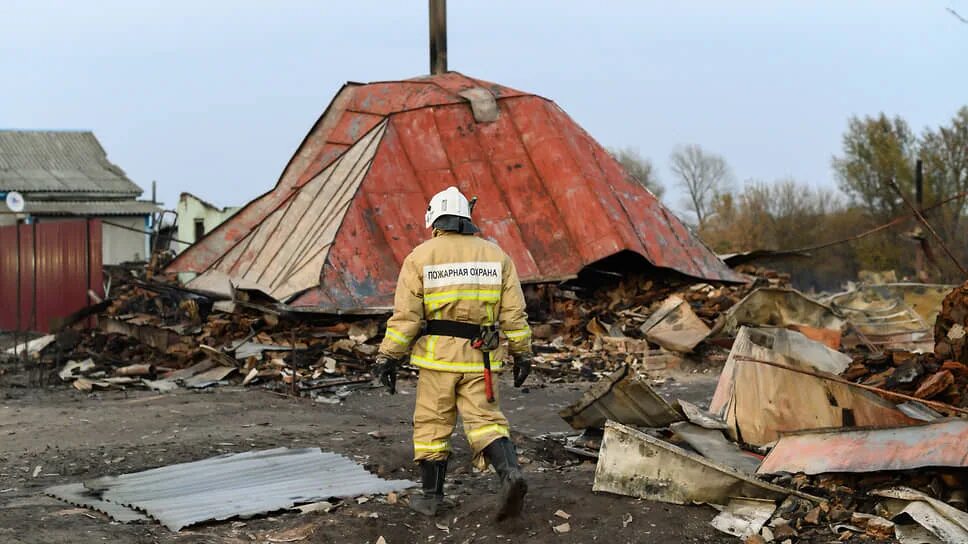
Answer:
(937, 444)
(550, 195)
(78, 495)
(242, 484)
(59, 161)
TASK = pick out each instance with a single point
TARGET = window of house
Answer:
(199, 229)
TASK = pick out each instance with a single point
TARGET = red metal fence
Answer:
(46, 270)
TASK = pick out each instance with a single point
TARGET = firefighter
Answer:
(456, 293)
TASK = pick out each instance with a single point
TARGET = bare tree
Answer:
(702, 175)
(639, 168)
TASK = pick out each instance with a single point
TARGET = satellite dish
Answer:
(15, 201)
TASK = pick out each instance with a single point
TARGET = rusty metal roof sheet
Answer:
(283, 255)
(935, 444)
(241, 484)
(553, 198)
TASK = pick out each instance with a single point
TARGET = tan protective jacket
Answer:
(463, 278)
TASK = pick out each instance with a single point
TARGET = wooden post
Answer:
(438, 37)
(920, 260)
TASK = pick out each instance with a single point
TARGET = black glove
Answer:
(522, 368)
(385, 369)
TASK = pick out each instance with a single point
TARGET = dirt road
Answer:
(73, 437)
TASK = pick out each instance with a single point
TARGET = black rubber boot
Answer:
(504, 459)
(431, 496)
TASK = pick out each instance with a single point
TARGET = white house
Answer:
(196, 218)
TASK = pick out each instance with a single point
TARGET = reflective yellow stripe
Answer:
(443, 445)
(433, 300)
(492, 428)
(469, 293)
(431, 346)
(448, 366)
(519, 333)
(394, 335)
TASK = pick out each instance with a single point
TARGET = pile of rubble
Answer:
(922, 375)
(156, 334)
(807, 432)
(587, 334)
(161, 337)
(950, 328)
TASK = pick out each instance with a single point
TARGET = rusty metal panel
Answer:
(355, 274)
(352, 109)
(870, 450)
(51, 273)
(396, 199)
(352, 126)
(520, 199)
(456, 83)
(551, 196)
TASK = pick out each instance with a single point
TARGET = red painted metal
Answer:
(550, 195)
(51, 273)
(937, 444)
(355, 109)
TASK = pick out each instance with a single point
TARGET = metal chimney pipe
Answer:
(438, 37)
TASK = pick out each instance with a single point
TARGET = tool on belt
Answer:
(485, 338)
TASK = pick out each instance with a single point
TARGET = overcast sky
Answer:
(213, 96)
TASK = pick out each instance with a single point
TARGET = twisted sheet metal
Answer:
(625, 397)
(242, 484)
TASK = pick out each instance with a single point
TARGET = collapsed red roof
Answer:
(350, 204)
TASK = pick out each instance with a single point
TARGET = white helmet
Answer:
(450, 201)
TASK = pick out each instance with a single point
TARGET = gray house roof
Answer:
(69, 162)
(90, 207)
